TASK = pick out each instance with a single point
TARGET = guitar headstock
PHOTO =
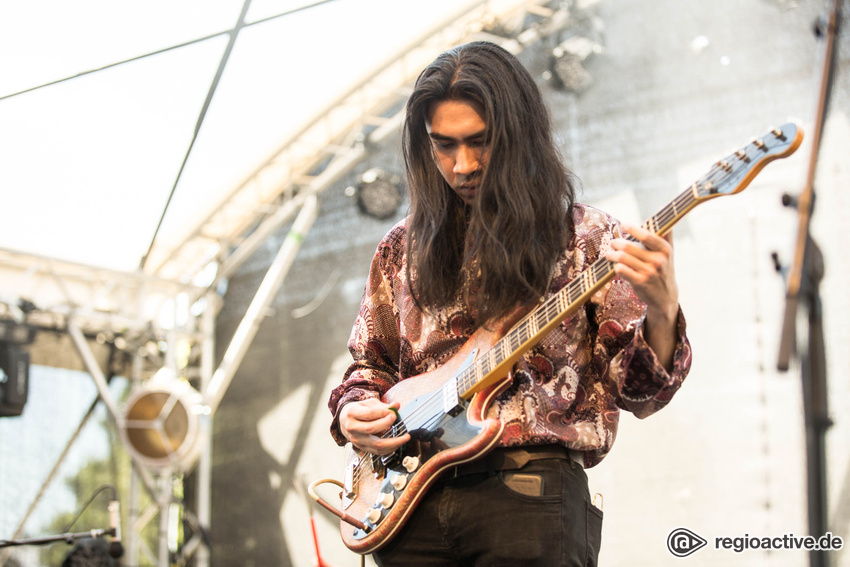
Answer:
(733, 173)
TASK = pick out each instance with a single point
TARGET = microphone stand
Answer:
(69, 538)
(803, 285)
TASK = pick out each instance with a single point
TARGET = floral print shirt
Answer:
(567, 390)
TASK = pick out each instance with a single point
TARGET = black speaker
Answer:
(14, 379)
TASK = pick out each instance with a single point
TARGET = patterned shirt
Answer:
(567, 390)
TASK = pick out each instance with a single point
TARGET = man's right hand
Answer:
(364, 423)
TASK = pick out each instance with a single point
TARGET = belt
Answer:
(514, 458)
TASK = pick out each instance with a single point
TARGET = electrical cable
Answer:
(161, 51)
(232, 33)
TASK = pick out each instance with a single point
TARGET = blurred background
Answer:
(191, 195)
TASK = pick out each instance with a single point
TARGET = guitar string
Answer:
(550, 308)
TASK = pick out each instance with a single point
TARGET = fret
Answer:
(484, 364)
(546, 314)
(685, 198)
(531, 325)
(659, 220)
(522, 333)
(575, 290)
(587, 281)
(463, 382)
(509, 340)
(602, 267)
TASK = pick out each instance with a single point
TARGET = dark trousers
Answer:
(539, 515)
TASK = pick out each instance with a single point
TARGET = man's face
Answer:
(457, 133)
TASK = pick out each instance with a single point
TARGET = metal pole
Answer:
(204, 470)
(256, 312)
(90, 362)
(135, 490)
(163, 503)
(94, 369)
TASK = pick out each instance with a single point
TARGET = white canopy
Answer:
(107, 107)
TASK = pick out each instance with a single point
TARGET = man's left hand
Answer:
(648, 266)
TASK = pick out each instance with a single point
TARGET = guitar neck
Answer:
(728, 176)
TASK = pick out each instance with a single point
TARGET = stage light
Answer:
(16, 333)
(14, 379)
(161, 425)
(14, 367)
(567, 63)
(378, 194)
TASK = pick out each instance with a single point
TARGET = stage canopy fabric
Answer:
(118, 115)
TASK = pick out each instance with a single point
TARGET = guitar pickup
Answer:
(451, 399)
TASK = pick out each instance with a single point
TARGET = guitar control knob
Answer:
(385, 500)
(410, 463)
(374, 515)
(399, 481)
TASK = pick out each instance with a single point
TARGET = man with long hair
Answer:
(493, 229)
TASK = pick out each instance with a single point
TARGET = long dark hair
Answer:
(518, 224)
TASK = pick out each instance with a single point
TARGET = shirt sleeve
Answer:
(632, 374)
(374, 340)
(643, 384)
(636, 378)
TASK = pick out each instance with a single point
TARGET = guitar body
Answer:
(440, 440)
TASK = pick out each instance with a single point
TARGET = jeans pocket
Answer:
(594, 534)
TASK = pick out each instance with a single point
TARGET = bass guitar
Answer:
(445, 410)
